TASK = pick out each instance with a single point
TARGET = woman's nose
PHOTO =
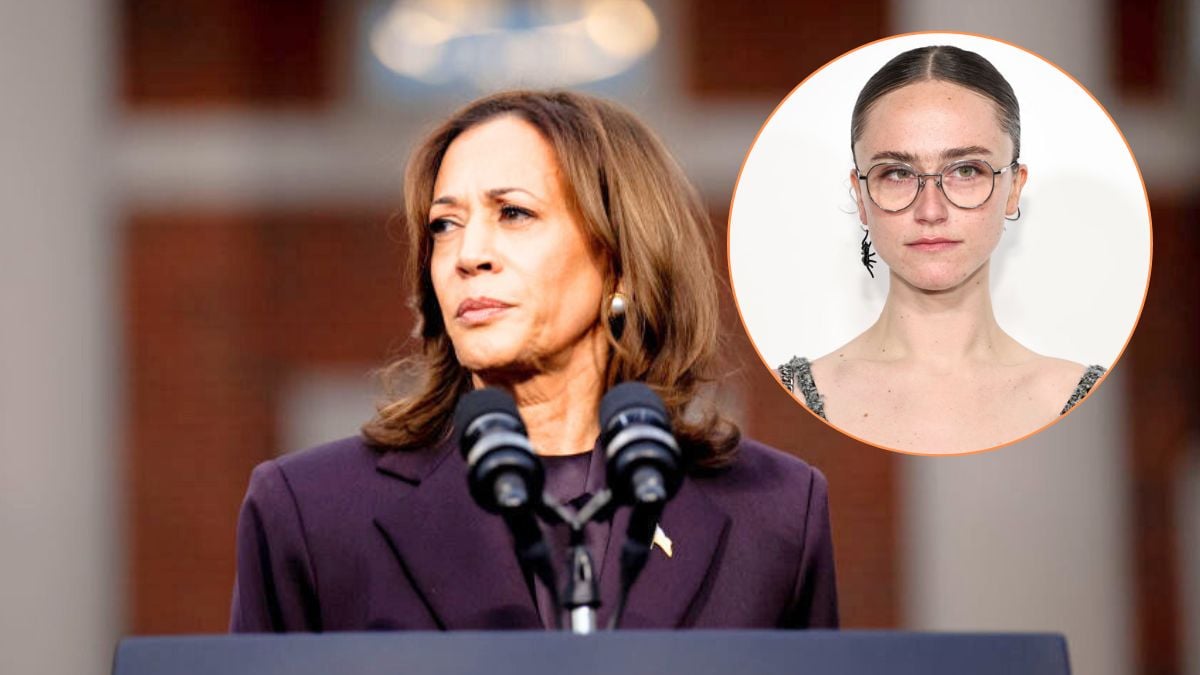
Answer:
(932, 205)
(476, 251)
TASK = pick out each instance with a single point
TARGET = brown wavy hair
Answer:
(639, 211)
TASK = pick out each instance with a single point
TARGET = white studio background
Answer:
(1068, 279)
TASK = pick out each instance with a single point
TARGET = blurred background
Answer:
(197, 274)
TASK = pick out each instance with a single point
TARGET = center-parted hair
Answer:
(638, 211)
(948, 64)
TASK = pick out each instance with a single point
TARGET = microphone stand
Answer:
(581, 596)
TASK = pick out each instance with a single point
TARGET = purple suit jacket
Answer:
(343, 537)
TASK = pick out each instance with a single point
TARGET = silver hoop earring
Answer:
(1015, 218)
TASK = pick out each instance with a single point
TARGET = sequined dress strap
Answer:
(797, 373)
(1090, 376)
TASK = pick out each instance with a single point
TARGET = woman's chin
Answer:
(499, 368)
(936, 279)
(491, 366)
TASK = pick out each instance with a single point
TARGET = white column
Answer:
(58, 530)
(1031, 537)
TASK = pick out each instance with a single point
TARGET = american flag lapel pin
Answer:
(662, 541)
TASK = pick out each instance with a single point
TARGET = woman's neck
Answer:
(559, 404)
(941, 329)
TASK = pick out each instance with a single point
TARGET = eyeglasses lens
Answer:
(894, 187)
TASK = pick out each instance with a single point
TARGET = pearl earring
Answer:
(618, 303)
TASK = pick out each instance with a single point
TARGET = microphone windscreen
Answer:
(481, 402)
(629, 395)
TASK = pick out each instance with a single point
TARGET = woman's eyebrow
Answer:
(906, 157)
(966, 151)
(496, 194)
(946, 155)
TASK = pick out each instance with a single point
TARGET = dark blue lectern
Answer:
(613, 653)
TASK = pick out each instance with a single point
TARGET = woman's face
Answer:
(518, 286)
(933, 244)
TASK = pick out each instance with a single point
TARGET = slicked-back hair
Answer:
(942, 63)
(639, 212)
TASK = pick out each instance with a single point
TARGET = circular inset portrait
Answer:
(941, 242)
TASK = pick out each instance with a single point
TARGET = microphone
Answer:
(503, 473)
(644, 470)
(643, 460)
(505, 476)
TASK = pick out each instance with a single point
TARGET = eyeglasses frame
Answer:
(940, 175)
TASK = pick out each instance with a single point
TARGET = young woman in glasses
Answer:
(936, 136)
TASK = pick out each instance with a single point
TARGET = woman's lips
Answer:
(474, 311)
(933, 244)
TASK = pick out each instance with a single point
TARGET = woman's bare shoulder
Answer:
(847, 358)
(1055, 379)
(1059, 370)
(823, 368)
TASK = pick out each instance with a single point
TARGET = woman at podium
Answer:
(554, 249)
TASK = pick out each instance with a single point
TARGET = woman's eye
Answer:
(510, 212)
(898, 174)
(439, 226)
(966, 171)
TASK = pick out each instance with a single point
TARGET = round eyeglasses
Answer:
(967, 184)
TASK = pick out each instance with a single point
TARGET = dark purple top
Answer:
(567, 482)
(344, 537)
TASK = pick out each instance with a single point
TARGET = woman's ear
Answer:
(856, 187)
(1020, 175)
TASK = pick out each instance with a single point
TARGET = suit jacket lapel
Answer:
(459, 557)
(461, 560)
(665, 592)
